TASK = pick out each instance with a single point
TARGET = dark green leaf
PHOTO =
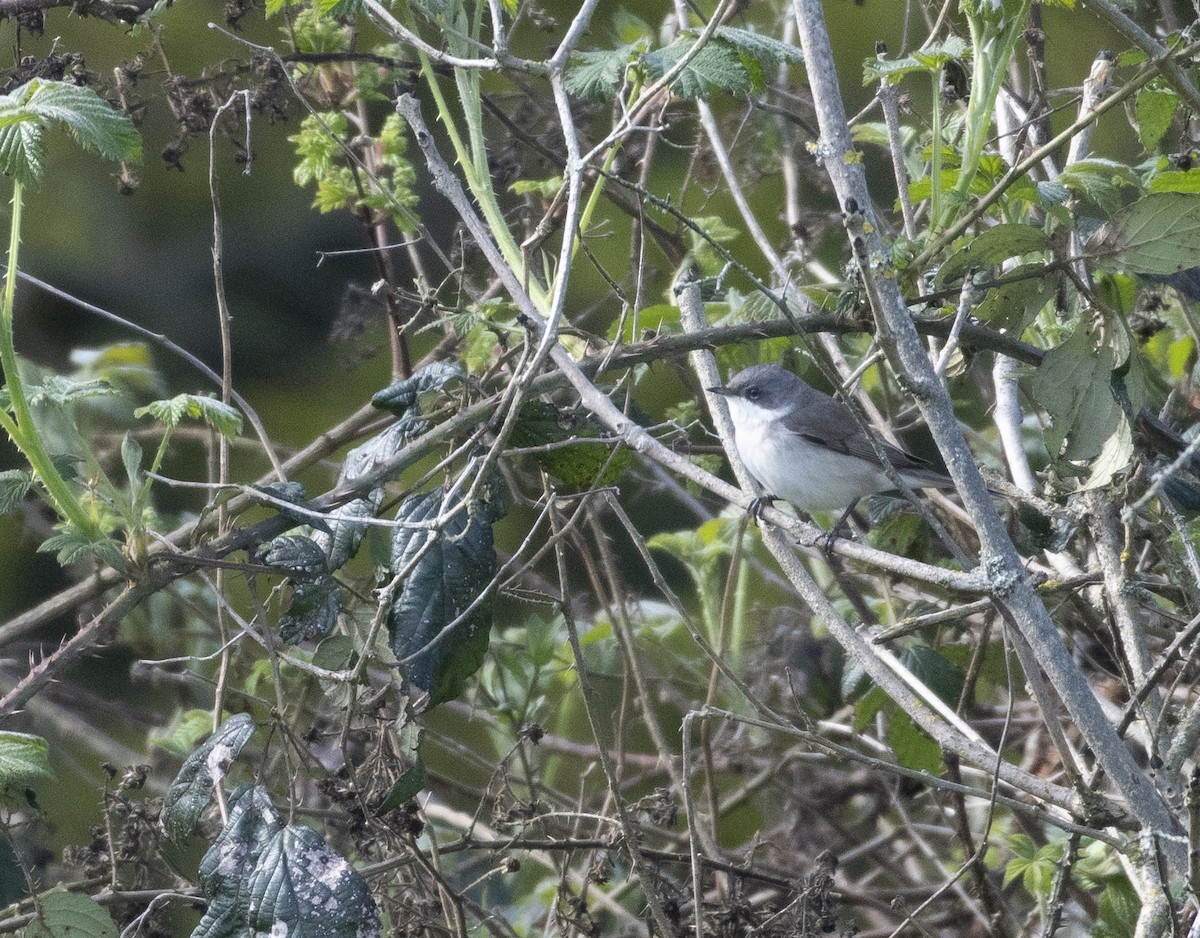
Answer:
(437, 643)
(992, 247)
(412, 770)
(313, 611)
(300, 883)
(401, 396)
(293, 493)
(14, 484)
(296, 552)
(1156, 235)
(1072, 385)
(192, 789)
(62, 914)
(1119, 909)
(541, 424)
(1101, 181)
(225, 870)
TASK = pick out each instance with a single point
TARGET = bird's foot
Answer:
(759, 505)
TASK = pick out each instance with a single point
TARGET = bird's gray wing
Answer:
(827, 422)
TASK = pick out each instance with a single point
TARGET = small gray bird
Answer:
(806, 448)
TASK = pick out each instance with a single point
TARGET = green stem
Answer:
(993, 46)
(21, 427)
(935, 157)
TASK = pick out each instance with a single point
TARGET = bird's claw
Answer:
(759, 505)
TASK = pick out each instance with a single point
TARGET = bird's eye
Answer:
(753, 393)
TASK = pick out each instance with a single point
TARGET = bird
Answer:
(804, 447)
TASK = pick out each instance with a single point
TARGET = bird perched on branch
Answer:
(806, 448)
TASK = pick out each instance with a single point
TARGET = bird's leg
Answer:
(760, 504)
(833, 532)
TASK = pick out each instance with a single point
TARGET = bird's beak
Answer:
(720, 389)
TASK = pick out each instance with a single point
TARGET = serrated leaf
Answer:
(55, 389)
(716, 67)
(437, 643)
(62, 914)
(300, 886)
(226, 867)
(222, 417)
(1100, 180)
(932, 57)
(201, 772)
(1118, 909)
(766, 50)
(24, 760)
(992, 247)
(346, 529)
(401, 396)
(595, 75)
(1156, 235)
(70, 545)
(14, 485)
(26, 112)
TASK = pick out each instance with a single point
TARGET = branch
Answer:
(1011, 587)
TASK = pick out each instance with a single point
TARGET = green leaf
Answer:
(541, 424)
(201, 772)
(412, 776)
(24, 760)
(1118, 910)
(14, 484)
(912, 747)
(183, 734)
(303, 885)
(1176, 180)
(766, 50)
(437, 643)
(1156, 235)
(227, 865)
(596, 75)
(70, 545)
(25, 113)
(930, 58)
(313, 611)
(131, 458)
(56, 389)
(1012, 307)
(221, 417)
(62, 914)
(992, 247)
(1100, 180)
(1154, 110)
(296, 552)
(716, 67)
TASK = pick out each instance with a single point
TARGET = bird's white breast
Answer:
(788, 466)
